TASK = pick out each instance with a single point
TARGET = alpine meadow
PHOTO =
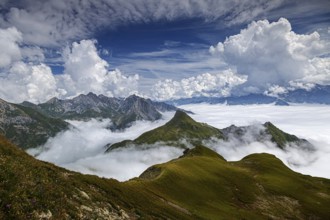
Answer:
(176, 109)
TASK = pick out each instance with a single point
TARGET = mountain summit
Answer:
(263, 133)
(184, 132)
(122, 112)
(180, 128)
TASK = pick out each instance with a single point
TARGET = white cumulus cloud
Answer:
(205, 84)
(25, 78)
(9, 44)
(28, 82)
(85, 71)
(272, 54)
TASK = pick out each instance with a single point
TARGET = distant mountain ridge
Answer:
(30, 125)
(121, 111)
(317, 95)
(180, 127)
(182, 131)
(266, 132)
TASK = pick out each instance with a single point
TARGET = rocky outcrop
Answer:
(27, 127)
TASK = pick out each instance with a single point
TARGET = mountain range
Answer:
(122, 111)
(182, 131)
(319, 94)
(29, 125)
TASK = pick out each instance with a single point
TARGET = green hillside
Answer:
(198, 185)
(281, 138)
(32, 189)
(180, 127)
(259, 186)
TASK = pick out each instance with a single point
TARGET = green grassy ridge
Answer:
(270, 132)
(259, 186)
(280, 137)
(198, 185)
(29, 188)
(180, 127)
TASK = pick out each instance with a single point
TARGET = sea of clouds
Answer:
(311, 122)
(82, 147)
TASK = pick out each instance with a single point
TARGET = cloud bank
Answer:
(205, 84)
(84, 71)
(266, 57)
(272, 54)
(82, 147)
(296, 120)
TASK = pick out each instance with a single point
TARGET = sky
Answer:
(82, 147)
(161, 49)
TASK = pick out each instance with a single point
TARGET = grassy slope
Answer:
(281, 138)
(259, 186)
(30, 188)
(201, 184)
(181, 126)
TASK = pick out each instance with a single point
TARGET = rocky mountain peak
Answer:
(53, 100)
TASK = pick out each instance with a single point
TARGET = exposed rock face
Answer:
(27, 127)
(121, 111)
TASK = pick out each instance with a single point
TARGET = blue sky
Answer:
(161, 48)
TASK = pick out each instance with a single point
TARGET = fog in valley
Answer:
(82, 147)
